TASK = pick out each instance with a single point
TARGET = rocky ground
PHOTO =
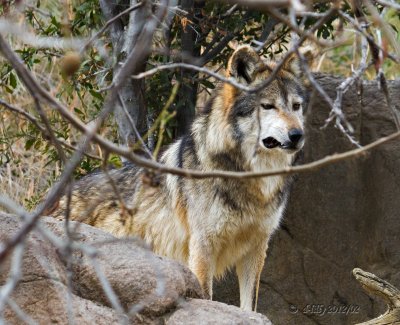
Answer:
(155, 289)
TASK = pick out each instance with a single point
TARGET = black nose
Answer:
(295, 135)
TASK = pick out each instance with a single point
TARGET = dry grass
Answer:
(24, 174)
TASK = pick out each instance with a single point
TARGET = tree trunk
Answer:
(132, 94)
(191, 49)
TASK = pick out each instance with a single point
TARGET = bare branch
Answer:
(370, 39)
(188, 66)
(376, 286)
(40, 42)
(389, 4)
(15, 275)
(260, 4)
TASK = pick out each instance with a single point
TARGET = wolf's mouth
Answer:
(271, 142)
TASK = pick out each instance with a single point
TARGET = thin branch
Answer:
(260, 4)
(370, 39)
(40, 42)
(385, 90)
(108, 290)
(267, 33)
(52, 138)
(188, 66)
(230, 11)
(208, 56)
(389, 4)
(20, 313)
(15, 275)
(133, 127)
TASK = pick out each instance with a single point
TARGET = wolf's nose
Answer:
(295, 135)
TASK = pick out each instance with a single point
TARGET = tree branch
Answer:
(378, 287)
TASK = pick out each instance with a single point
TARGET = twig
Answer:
(20, 313)
(267, 34)
(133, 127)
(384, 27)
(389, 4)
(114, 186)
(108, 290)
(260, 4)
(40, 42)
(337, 111)
(52, 138)
(367, 36)
(188, 66)
(230, 11)
(161, 114)
(15, 275)
(385, 90)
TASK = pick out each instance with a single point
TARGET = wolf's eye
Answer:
(296, 106)
(268, 106)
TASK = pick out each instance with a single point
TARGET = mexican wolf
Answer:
(212, 224)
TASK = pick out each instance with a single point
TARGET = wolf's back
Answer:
(99, 195)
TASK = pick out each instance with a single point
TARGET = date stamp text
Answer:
(322, 309)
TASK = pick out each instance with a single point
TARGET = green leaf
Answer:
(13, 80)
(96, 94)
(29, 143)
(207, 84)
(79, 112)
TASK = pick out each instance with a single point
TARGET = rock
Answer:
(204, 312)
(42, 292)
(154, 289)
(135, 273)
(339, 217)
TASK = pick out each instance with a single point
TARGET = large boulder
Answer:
(342, 216)
(204, 312)
(63, 284)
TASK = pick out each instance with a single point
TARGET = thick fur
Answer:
(212, 224)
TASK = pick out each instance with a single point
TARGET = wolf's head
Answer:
(269, 122)
(277, 109)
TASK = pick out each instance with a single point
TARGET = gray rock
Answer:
(339, 217)
(157, 289)
(139, 278)
(42, 292)
(205, 312)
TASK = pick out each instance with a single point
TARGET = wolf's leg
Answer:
(200, 263)
(249, 270)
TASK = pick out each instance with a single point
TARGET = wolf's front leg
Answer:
(248, 270)
(201, 264)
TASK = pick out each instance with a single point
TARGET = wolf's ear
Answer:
(293, 63)
(243, 64)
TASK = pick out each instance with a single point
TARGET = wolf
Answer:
(212, 224)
